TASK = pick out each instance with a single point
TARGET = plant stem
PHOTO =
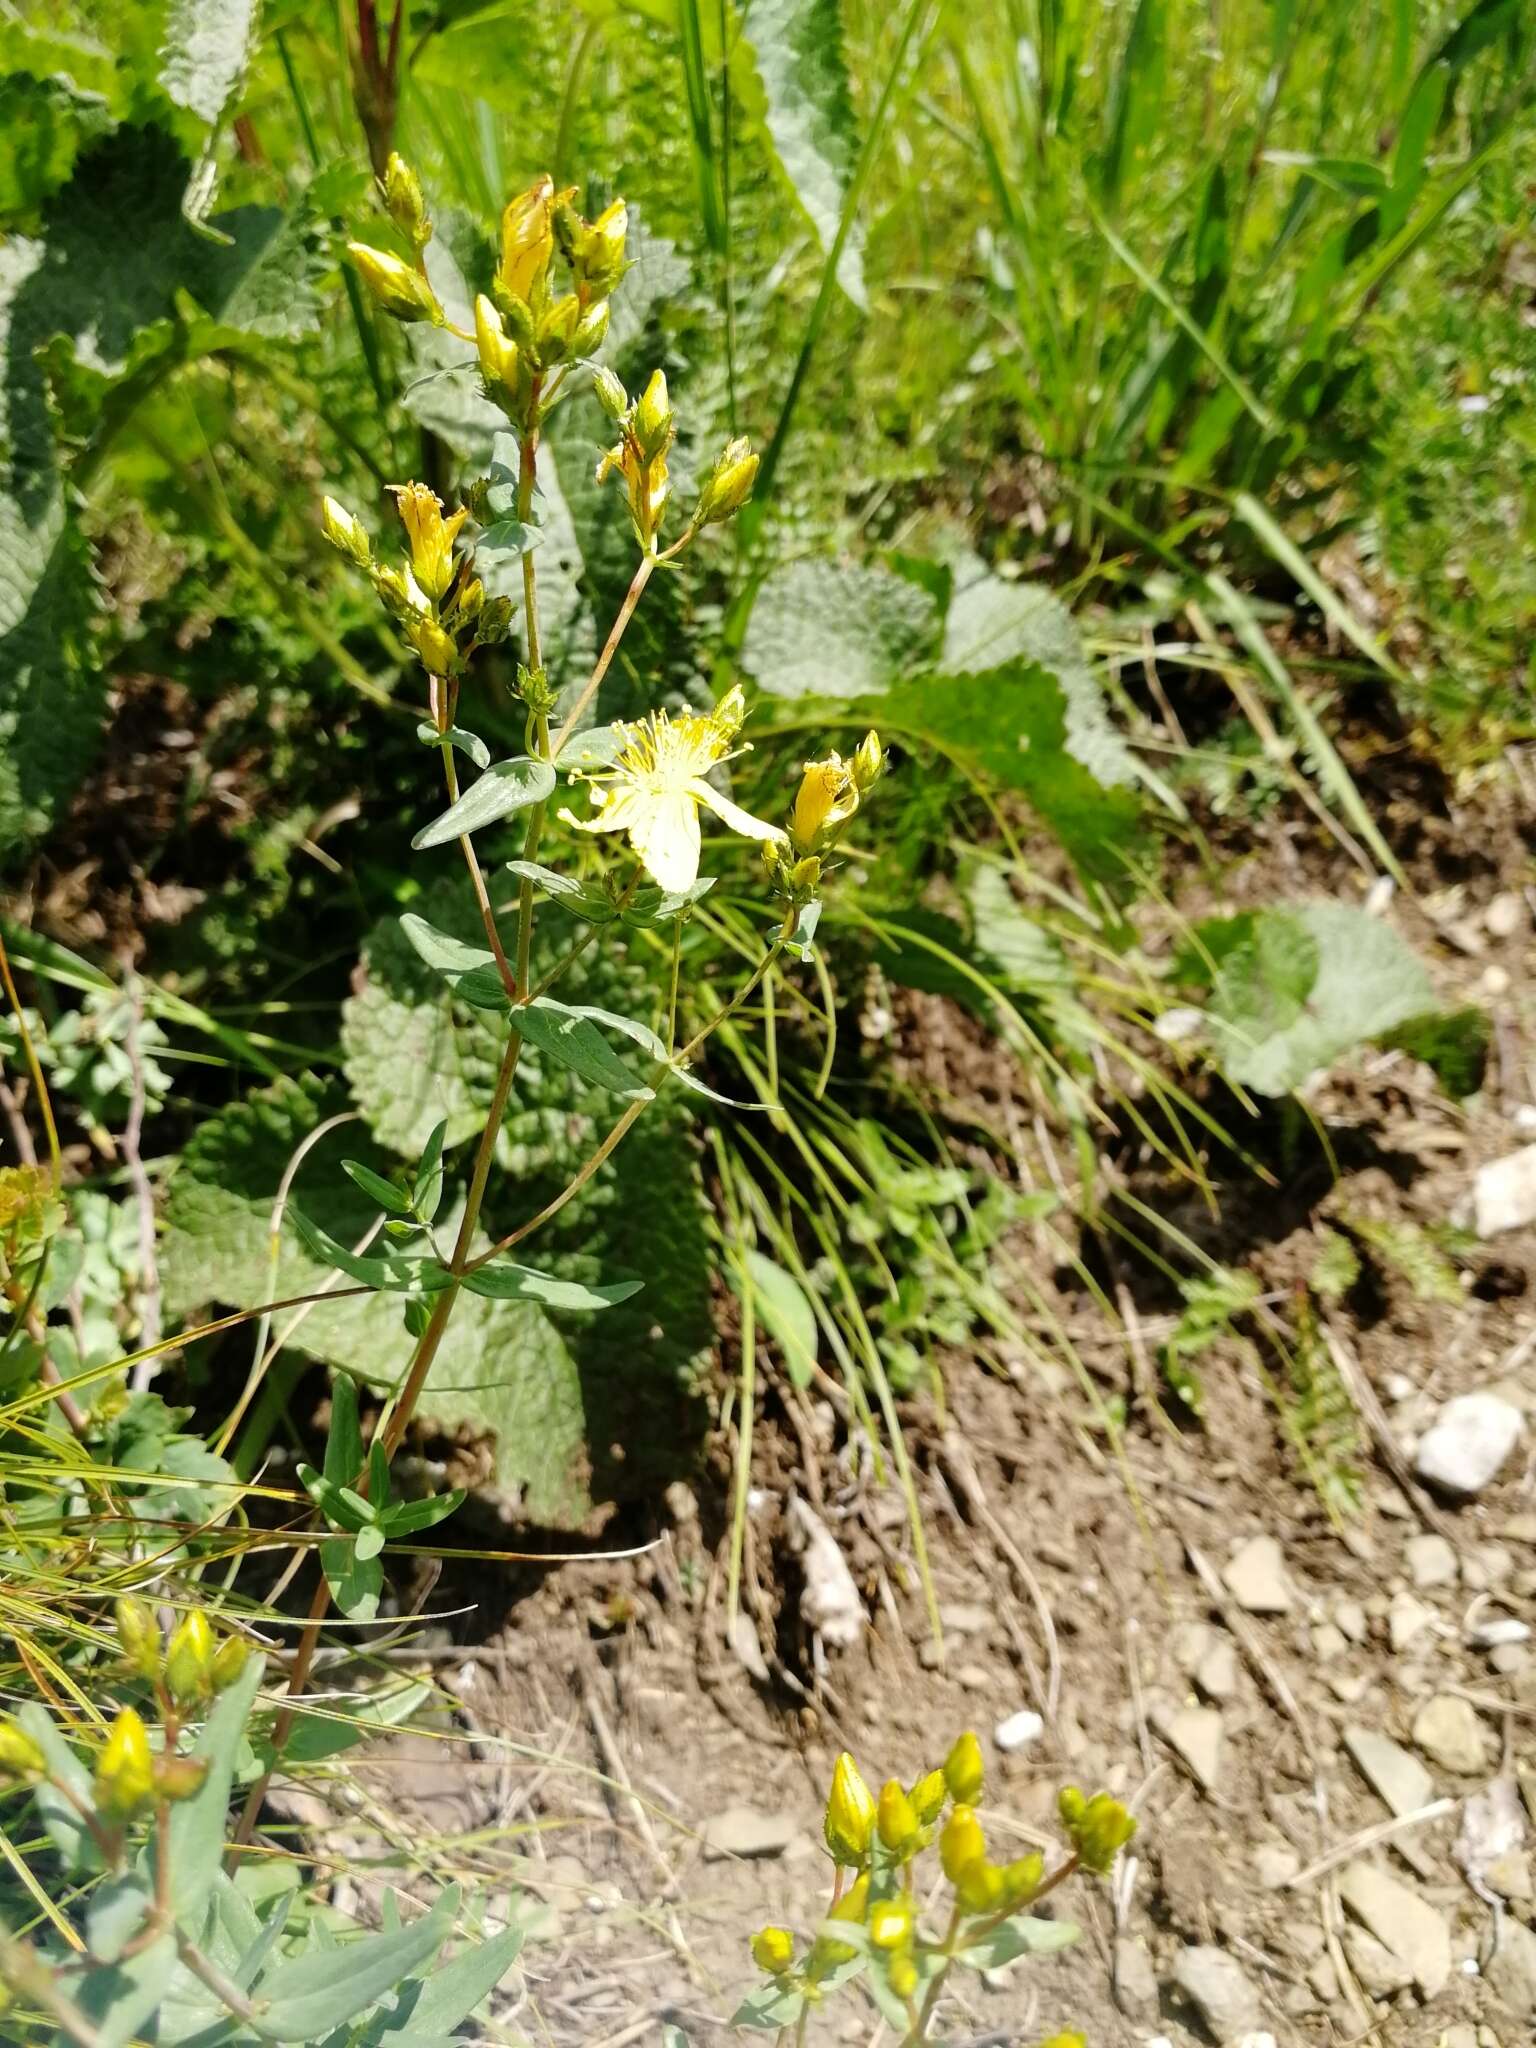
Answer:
(590, 687)
(229, 1995)
(476, 876)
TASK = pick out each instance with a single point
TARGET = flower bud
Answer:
(850, 1817)
(556, 330)
(527, 242)
(805, 876)
(125, 1770)
(468, 604)
(598, 256)
(1098, 1828)
(189, 1660)
(178, 1777)
(891, 1922)
(898, 1825)
(1021, 1879)
(653, 423)
(402, 595)
(729, 484)
(139, 1634)
(964, 1771)
(344, 532)
(20, 1756)
(902, 1976)
(611, 395)
(403, 201)
(591, 330)
(498, 355)
(398, 289)
(961, 1843)
(435, 647)
(229, 1660)
(827, 1952)
(868, 764)
(1070, 2039)
(773, 1949)
(494, 622)
(979, 1887)
(928, 1796)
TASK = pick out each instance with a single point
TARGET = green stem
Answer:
(229, 1995)
(590, 687)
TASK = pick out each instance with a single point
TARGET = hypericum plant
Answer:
(641, 787)
(162, 1932)
(873, 1928)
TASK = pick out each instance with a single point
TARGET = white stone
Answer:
(1505, 915)
(1216, 1677)
(1396, 1777)
(1219, 1989)
(830, 1602)
(1448, 1731)
(1195, 1733)
(1468, 1441)
(1511, 1971)
(1492, 1635)
(1256, 1577)
(1401, 1922)
(743, 1831)
(1018, 1731)
(1504, 1193)
(1431, 1562)
(1405, 1618)
(1379, 1969)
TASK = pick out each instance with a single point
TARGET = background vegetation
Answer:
(1144, 403)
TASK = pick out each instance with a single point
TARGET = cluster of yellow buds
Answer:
(435, 598)
(829, 795)
(526, 328)
(21, 1761)
(400, 288)
(879, 1840)
(191, 1667)
(647, 428)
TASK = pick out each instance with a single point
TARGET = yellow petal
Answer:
(731, 814)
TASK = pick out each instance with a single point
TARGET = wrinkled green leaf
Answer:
(207, 45)
(798, 45)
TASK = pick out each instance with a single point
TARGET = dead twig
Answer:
(1367, 1838)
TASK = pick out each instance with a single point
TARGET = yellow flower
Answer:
(902, 1976)
(431, 536)
(891, 1922)
(850, 1818)
(229, 1661)
(498, 352)
(598, 254)
(125, 1770)
(827, 799)
(139, 1634)
(527, 240)
(653, 791)
(729, 484)
(773, 1949)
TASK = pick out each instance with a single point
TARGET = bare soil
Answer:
(596, 1719)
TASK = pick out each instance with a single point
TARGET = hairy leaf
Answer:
(207, 44)
(798, 45)
(829, 629)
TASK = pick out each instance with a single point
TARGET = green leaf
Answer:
(377, 1188)
(453, 1993)
(469, 970)
(1295, 988)
(991, 623)
(570, 1036)
(344, 1439)
(199, 1824)
(307, 1998)
(505, 1280)
(1455, 1043)
(509, 786)
(356, 1582)
(207, 46)
(115, 1913)
(598, 747)
(798, 46)
(410, 1517)
(391, 1272)
(503, 1374)
(120, 1999)
(44, 124)
(1024, 1935)
(787, 1315)
(316, 1737)
(771, 2006)
(467, 742)
(829, 629)
(59, 1815)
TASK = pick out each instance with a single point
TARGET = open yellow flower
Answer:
(654, 790)
(431, 536)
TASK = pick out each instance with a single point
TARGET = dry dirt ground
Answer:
(1326, 1731)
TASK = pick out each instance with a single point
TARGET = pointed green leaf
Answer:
(508, 787)
(458, 736)
(382, 1191)
(410, 1517)
(786, 1314)
(198, 1824)
(66, 1830)
(505, 1280)
(437, 2004)
(573, 1039)
(308, 1997)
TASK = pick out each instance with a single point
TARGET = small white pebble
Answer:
(1018, 1730)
